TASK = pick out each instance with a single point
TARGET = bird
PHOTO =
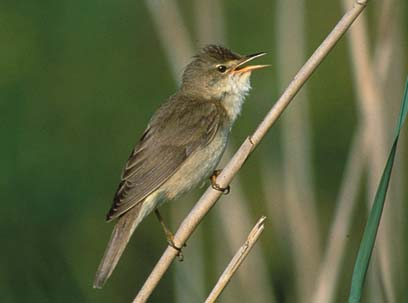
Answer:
(181, 146)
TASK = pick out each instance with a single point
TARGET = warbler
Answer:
(181, 146)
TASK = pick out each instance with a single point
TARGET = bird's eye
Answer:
(221, 68)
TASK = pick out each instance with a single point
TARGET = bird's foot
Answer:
(214, 185)
(170, 236)
(180, 256)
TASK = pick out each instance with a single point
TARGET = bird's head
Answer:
(216, 72)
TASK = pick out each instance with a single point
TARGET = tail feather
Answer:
(120, 237)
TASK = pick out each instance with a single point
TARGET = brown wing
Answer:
(177, 129)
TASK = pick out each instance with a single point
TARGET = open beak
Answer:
(240, 68)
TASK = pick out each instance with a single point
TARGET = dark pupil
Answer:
(222, 68)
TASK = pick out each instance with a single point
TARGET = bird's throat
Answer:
(232, 104)
(234, 98)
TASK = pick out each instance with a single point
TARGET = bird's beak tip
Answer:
(240, 69)
(256, 55)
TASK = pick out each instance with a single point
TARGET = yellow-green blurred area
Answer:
(79, 81)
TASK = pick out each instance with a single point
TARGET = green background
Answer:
(79, 81)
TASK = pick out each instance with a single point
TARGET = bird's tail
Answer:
(120, 237)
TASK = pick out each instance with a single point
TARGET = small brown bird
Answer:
(181, 146)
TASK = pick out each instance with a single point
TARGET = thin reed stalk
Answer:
(299, 202)
(209, 17)
(172, 32)
(237, 260)
(235, 219)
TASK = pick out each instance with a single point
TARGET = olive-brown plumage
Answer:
(165, 141)
(182, 144)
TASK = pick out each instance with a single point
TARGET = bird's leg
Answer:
(214, 184)
(169, 236)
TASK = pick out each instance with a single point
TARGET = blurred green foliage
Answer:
(78, 83)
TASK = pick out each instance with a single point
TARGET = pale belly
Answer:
(199, 166)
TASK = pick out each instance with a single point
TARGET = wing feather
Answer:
(172, 135)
